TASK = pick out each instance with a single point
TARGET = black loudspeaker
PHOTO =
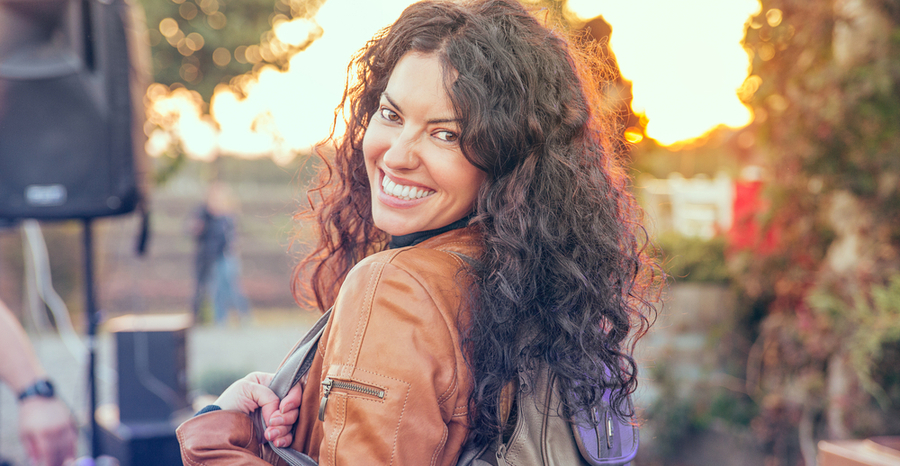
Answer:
(151, 363)
(152, 390)
(144, 444)
(72, 78)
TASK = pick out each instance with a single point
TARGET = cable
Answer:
(35, 307)
(146, 377)
(40, 263)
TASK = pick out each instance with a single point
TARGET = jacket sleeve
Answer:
(390, 336)
(219, 438)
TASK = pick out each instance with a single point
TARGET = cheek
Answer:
(367, 146)
(479, 179)
(469, 180)
(370, 153)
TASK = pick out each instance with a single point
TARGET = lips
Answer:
(406, 193)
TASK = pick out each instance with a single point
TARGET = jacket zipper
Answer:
(330, 383)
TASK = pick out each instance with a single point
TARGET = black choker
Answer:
(413, 239)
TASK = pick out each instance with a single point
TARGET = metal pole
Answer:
(93, 318)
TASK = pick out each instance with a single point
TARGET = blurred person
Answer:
(217, 262)
(475, 229)
(46, 425)
(203, 258)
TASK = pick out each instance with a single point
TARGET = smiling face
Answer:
(419, 177)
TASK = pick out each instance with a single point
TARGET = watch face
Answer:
(43, 388)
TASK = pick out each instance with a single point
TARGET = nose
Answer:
(403, 154)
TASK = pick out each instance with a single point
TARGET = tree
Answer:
(825, 89)
(195, 42)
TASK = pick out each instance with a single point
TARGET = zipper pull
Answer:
(326, 389)
(501, 455)
(609, 430)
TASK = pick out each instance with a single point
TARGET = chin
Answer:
(400, 231)
(394, 228)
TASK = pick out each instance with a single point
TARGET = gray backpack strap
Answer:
(294, 368)
(543, 437)
(474, 456)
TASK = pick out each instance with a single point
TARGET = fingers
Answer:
(248, 394)
(290, 404)
(252, 392)
(268, 402)
(50, 448)
(48, 431)
(285, 419)
(32, 449)
(279, 436)
(282, 420)
(262, 378)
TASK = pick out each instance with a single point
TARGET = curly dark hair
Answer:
(564, 278)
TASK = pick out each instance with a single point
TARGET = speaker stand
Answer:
(93, 317)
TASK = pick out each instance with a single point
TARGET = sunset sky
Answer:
(684, 59)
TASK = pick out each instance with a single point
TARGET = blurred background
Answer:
(762, 136)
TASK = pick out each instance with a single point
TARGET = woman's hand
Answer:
(252, 393)
(48, 431)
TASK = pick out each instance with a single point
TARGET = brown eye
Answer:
(448, 136)
(389, 114)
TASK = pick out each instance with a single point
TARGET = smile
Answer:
(399, 191)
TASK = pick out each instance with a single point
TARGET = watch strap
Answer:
(42, 388)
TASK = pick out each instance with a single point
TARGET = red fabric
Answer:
(746, 232)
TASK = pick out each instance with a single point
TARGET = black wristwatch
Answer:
(42, 388)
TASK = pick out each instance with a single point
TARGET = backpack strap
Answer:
(544, 437)
(294, 368)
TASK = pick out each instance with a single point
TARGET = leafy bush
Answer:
(688, 259)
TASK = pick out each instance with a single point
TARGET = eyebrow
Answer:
(431, 122)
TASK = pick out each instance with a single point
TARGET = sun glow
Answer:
(684, 60)
(294, 109)
(274, 113)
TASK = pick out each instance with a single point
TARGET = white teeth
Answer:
(403, 192)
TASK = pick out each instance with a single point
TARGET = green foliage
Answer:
(826, 95)
(886, 376)
(867, 325)
(732, 407)
(672, 422)
(164, 168)
(221, 24)
(679, 414)
(693, 259)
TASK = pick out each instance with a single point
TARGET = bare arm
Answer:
(19, 367)
(46, 425)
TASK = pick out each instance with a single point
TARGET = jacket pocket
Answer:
(330, 384)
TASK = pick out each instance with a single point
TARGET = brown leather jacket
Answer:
(393, 330)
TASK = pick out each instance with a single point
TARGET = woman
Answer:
(474, 224)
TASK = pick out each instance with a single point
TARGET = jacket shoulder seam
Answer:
(454, 384)
(397, 430)
(440, 446)
(363, 320)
